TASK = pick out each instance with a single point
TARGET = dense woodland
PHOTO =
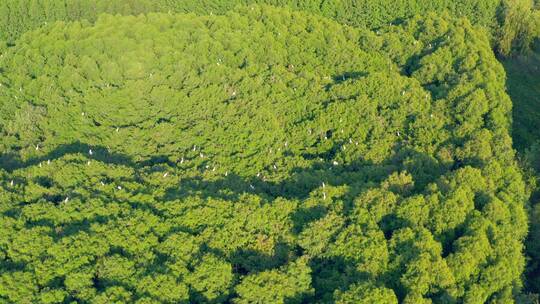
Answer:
(213, 152)
(511, 24)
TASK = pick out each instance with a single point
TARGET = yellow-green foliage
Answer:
(520, 25)
(262, 156)
(512, 23)
(20, 16)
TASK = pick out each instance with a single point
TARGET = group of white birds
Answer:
(201, 155)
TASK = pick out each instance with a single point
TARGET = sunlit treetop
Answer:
(263, 155)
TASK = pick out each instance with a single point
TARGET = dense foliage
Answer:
(263, 156)
(523, 86)
(534, 249)
(531, 161)
(520, 25)
(512, 23)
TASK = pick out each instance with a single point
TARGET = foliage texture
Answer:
(260, 156)
(512, 23)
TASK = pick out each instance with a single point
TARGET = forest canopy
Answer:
(512, 24)
(260, 156)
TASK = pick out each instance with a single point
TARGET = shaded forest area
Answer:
(255, 154)
(523, 74)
